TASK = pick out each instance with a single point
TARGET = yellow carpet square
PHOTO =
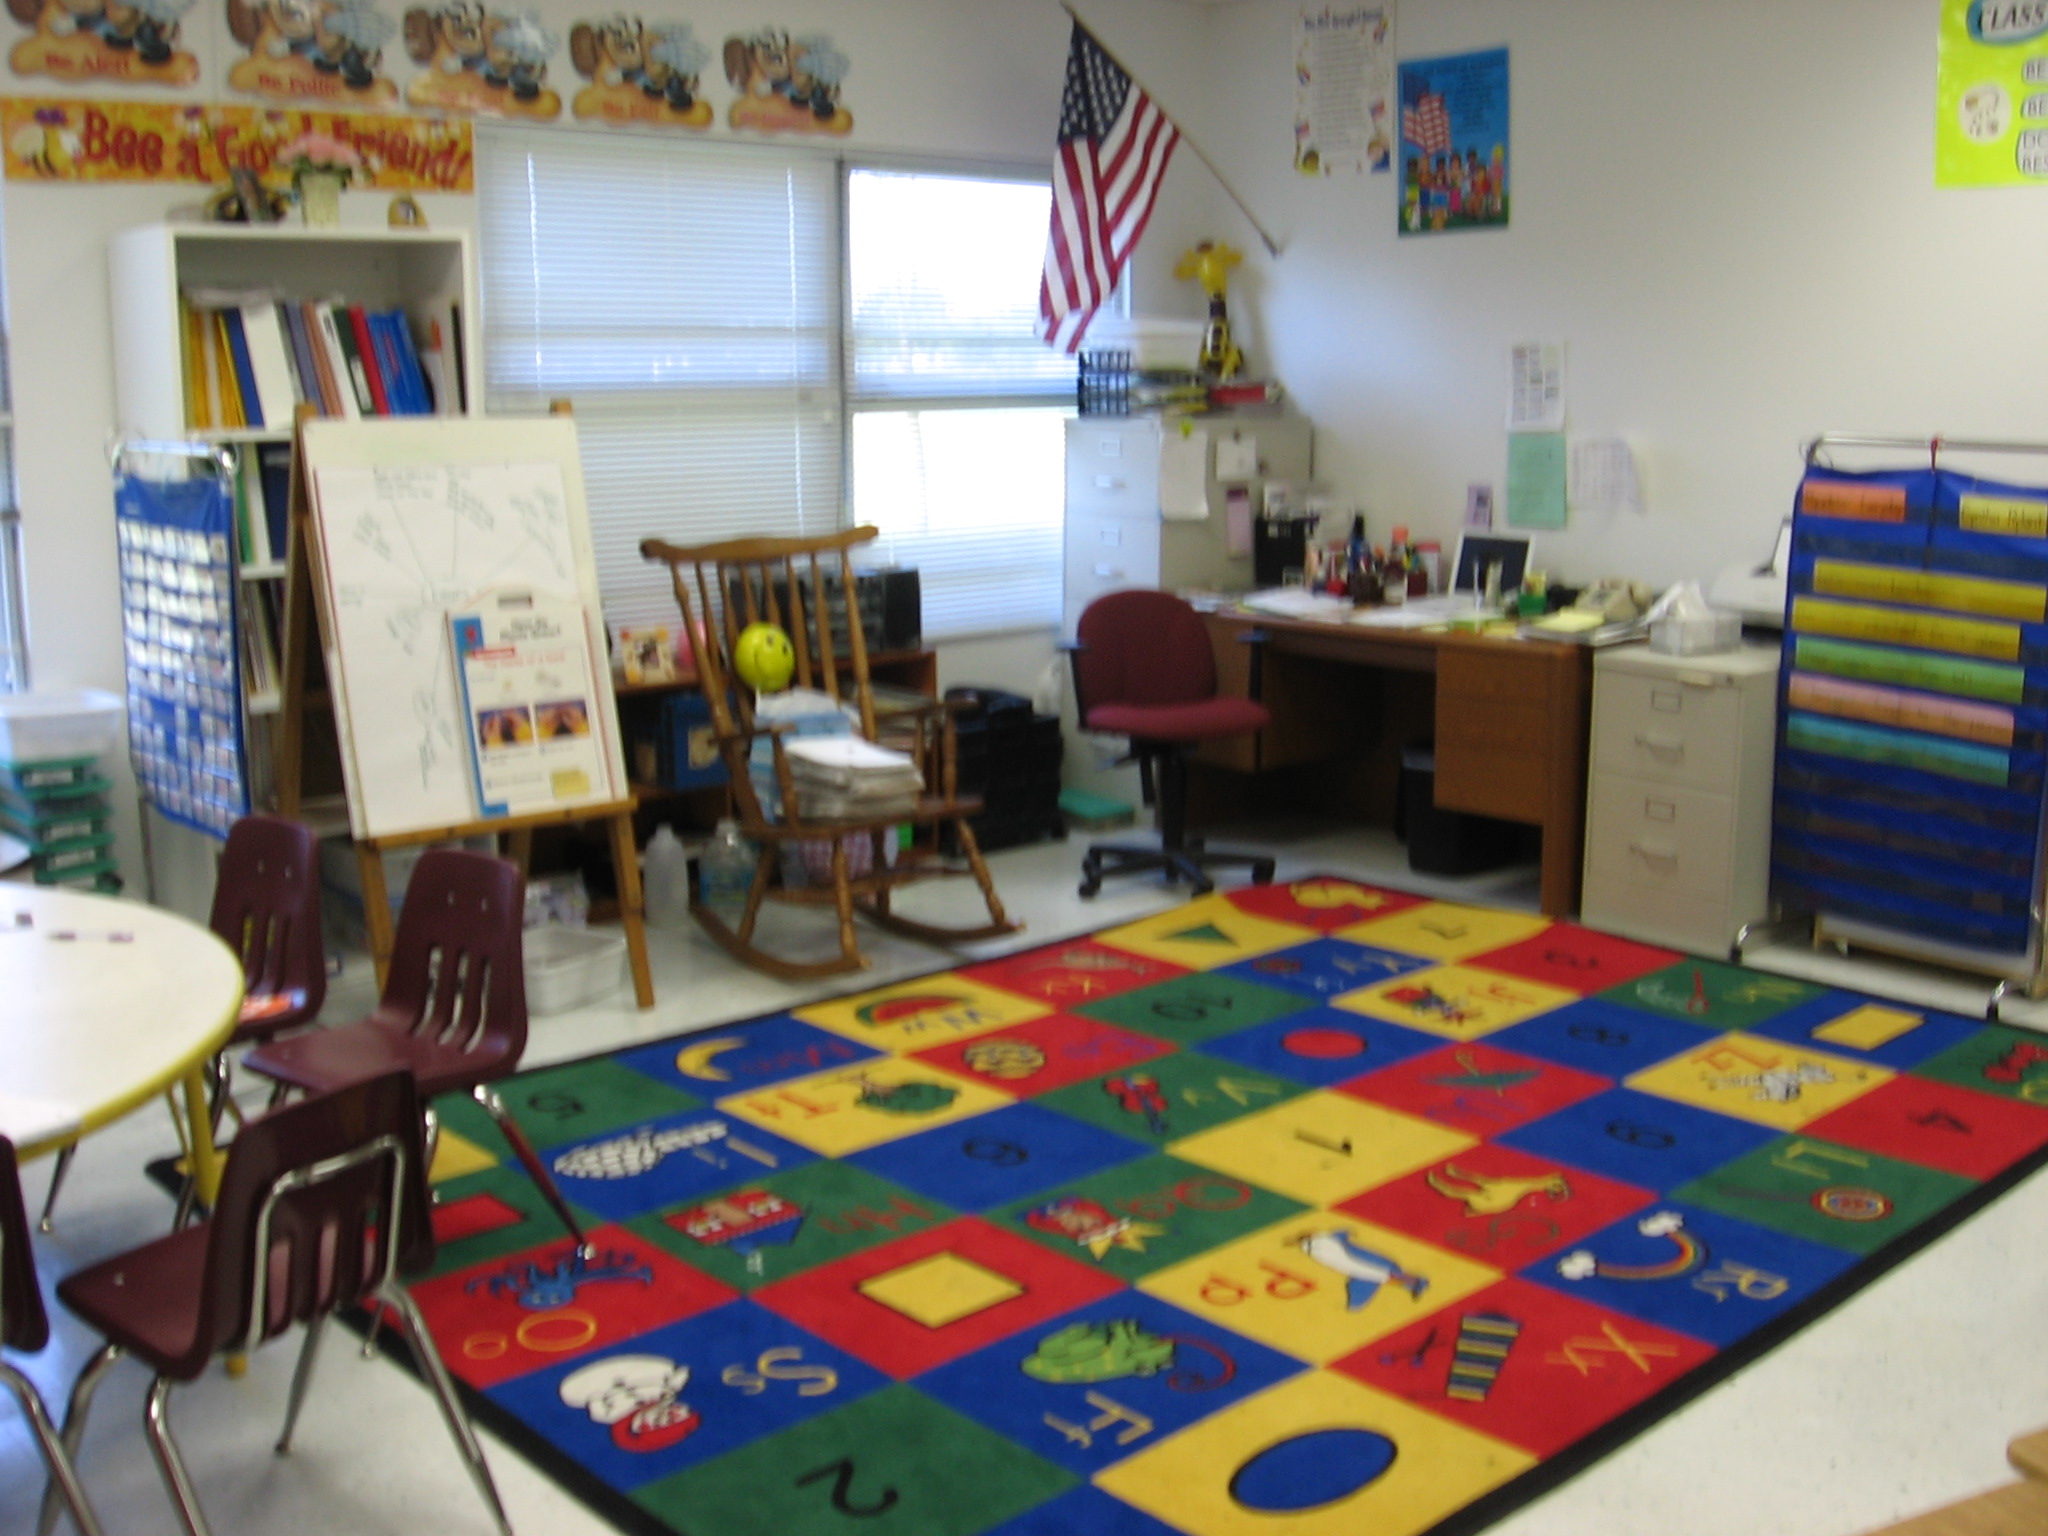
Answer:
(1205, 934)
(1459, 1001)
(1444, 930)
(941, 1289)
(912, 1015)
(1319, 1285)
(1868, 1027)
(1755, 1078)
(455, 1156)
(1426, 1467)
(849, 1108)
(1322, 1148)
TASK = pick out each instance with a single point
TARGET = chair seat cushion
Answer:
(326, 1059)
(145, 1300)
(1200, 721)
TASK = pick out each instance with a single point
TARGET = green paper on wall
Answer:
(1536, 479)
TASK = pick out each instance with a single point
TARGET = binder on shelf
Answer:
(432, 339)
(274, 473)
(366, 348)
(337, 321)
(232, 412)
(201, 394)
(398, 387)
(245, 370)
(409, 360)
(334, 374)
(305, 380)
(270, 363)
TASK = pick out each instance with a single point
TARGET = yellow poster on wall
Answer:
(1991, 122)
(70, 139)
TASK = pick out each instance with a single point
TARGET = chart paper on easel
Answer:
(414, 521)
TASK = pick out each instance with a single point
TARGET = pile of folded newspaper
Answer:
(844, 777)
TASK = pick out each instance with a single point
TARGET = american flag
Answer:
(1113, 149)
(1427, 125)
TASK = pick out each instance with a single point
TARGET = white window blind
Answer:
(685, 299)
(958, 409)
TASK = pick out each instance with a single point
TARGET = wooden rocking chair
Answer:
(721, 588)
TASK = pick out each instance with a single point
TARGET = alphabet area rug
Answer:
(1309, 1208)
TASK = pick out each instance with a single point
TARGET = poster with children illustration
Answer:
(1454, 143)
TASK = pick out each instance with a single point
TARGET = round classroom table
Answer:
(105, 1004)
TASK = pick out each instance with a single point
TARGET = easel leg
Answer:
(376, 908)
(632, 906)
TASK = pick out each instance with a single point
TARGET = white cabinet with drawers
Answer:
(1678, 795)
(1115, 536)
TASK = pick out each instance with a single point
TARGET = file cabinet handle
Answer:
(1663, 746)
(1655, 853)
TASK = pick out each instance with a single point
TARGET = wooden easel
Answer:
(304, 601)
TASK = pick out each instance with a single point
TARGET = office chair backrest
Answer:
(23, 1323)
(266, 908)
(457, 962)
(1142, 647)
(321, 1202)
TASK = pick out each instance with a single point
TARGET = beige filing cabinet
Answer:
(1115, 536)
(1678, 795)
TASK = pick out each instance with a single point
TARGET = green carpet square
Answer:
(1841, 1196)
(1198, 1007)
(558, 1105)
(1171, 1097)
(1712, 995)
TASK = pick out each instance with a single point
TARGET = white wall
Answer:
(1726, 212)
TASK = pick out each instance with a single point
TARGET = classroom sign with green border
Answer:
(1991, 124)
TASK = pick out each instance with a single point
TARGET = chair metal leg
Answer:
(168, 1461)
(530, 1161)
(436, 1373)
(89, 1378)
(63, 1476)
(64, 1160)
(302, 1377)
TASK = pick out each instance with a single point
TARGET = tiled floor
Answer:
(1897, 1401)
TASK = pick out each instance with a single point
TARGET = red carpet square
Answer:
(1045, 1053)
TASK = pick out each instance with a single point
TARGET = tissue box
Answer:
(1696, 634)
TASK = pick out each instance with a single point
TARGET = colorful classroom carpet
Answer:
(1312, 1208)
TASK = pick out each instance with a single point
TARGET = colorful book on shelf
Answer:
(232, 412)
(352, 359)
(393, 356)
(254, 526)
(334, 375)
(305, 377)
(436, 338)
(274, 470)
(366, 347)
(245, 371)
(192, 337)
(417, 388)
(270, 362)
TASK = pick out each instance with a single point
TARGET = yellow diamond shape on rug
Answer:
(1206, 933)
(1323, 1147)
(1461, 1001)
(1755, 1078)
(1319, 1285)
(1317, 1455)
(1444, 930)
(455, 1156)
(912, 1015)
(941, 1289)
(849, 1108)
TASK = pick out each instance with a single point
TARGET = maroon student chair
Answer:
(453, 1010)
(25, 1327)
(323, 1205)
(1143, 668)
(266, 908)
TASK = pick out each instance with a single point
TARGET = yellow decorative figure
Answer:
(1209, 264)
(763, 658)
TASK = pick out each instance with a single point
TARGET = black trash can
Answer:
(1444, 842)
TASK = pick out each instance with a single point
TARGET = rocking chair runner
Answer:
(722, 588)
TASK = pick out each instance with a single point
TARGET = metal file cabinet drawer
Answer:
(1660, 834)
(1113, 467)
(1681, 728)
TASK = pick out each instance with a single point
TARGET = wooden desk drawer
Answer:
(1660, 835)
(1495, 720)
(1667, 729)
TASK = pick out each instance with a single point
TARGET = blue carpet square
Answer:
(621, 1413)
(1326, 967)
(717, 1062)
(1599, 1037)
(1639, 1138)
(1694, 1270)
(1324, 1046)
(664, 1162)
(1107, 1380)
(1004, 1155)
(1083, 1511)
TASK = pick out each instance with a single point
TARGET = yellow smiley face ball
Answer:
(762, 657)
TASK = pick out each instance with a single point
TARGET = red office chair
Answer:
(266, 908)
(453, 1010)
(323, 1204)
(1143, 668)
(25, 1327)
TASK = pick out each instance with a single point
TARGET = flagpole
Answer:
(1272, 249)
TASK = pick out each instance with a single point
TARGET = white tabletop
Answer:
(104, 1004)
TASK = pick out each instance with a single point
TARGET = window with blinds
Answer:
(740, 364)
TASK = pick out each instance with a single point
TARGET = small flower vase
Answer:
(320, 197)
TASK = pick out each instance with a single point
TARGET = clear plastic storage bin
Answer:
(568, 967)
(36, 727)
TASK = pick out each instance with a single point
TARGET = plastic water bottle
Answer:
(665, 878)
(725, 871)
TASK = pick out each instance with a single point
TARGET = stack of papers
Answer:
(1298, 603)
(846, 776)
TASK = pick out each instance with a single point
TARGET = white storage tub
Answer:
(568, 967)
(47, 727)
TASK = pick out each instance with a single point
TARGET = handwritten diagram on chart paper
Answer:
(403, 544)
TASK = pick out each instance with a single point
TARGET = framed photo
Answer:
(649, 655)
(256, 205)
